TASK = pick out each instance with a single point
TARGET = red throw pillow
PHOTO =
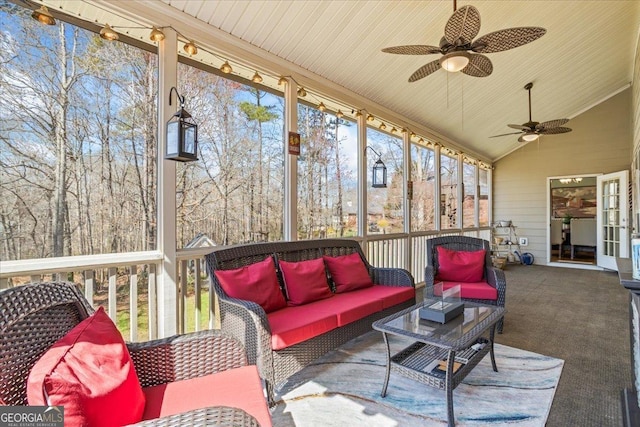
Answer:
(256, 282)
(89, 371)
(305, 281)
(460, 266)
(348, 272)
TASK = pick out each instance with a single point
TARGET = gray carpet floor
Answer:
(581, 316)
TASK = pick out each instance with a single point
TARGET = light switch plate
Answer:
(524, 241)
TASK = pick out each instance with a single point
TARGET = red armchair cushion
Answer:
(237, 388)
(256, 282)
(305, 281)
(89, 372)
(348, 272)
(295, 324)
(474, 290)
(460, 266)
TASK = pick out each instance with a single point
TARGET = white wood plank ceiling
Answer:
(586, 56)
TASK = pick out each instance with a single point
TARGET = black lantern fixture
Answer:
(379, 172)
(182, 134)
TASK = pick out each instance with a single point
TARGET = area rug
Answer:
(343, 389)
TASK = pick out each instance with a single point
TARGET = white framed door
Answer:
(613, 218)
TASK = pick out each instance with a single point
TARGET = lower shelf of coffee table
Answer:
(414, 360)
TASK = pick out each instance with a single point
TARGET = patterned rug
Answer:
(343, 389)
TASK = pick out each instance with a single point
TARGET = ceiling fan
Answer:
(532, 130)
(460, 52)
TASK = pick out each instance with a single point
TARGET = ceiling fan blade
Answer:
(425, 70)
(505, 134)
(415, 49)
(478, 66)
(552, 131)
(551, 124)
(521, 140)
(464, 23)
(506, 39)
(521, 127)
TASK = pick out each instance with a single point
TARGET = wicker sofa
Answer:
(247, 320)
(35, 316)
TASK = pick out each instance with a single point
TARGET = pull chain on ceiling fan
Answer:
(531, 130)
(459, 51)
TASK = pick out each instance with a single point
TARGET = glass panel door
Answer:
(612, 220)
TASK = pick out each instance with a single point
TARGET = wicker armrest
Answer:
(222, 416)
(182, 357)
(429, 275)
(496, 278)
(247, 322)
(392, 277)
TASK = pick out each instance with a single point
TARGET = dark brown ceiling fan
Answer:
(460, 52)
(531, 130)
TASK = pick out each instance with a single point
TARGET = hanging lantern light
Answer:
(379, 172)
(182, 134)
(43, 16)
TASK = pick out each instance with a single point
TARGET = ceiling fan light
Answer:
(530, 137)
(455, 61)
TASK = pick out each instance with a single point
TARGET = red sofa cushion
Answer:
(305, 281)
(348, 272)
(256, 282)
(351, 306)
(462, 266)
(388, 295)
(237, 388)
(89, 371)
(475, 290)
(295, 324)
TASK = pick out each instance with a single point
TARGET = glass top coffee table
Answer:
(442, 354)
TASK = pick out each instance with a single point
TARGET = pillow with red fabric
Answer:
(89, 371)
(305, 281)
(460, 266)
(348, 272)
(256, 282)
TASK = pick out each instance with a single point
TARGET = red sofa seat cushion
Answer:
(461, 266)
(348, 272)
(256, 282)
(475, 290)
(237, 388)
(89, 371)
(351, 306)
(295, 324)
(388, 295)
(305, 281)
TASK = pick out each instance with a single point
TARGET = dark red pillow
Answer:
(256, 282)
(348, 272)
(305, 281)
(460, 266)
(89, 371)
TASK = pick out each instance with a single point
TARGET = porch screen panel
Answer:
(327, 175)
(483, 203)
(423, 176)
(448, 192)
(234, 193)
(470, 190)
(78, 172)
(385, 211)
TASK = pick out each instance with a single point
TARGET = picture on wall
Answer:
(576, 202)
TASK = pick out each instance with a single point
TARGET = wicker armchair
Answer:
(34, 316)
(492, 275)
